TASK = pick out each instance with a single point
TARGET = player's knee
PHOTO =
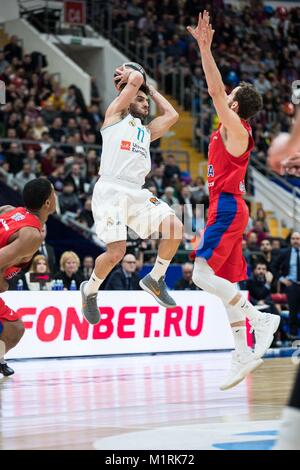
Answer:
(18, 330)
(203, 276)
(13, 333)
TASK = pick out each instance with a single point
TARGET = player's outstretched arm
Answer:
(27, 243)
(203, 33)
(133, 79)
(168, 115)
(285, 151)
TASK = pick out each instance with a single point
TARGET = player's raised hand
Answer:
(203, 32)
(292, 165)
(279, 153)
(121, 76)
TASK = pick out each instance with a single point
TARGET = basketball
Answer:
(134, 66)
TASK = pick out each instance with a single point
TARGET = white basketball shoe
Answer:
(241, 365)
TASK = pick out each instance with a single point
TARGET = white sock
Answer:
(240, 339)
(247, 309)
(160, 268)
(2, 360)
(93, 284)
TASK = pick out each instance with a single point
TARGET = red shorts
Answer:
(7, 313)
(221, 243)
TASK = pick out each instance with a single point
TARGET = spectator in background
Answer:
(246, 251)
(276, 246)
(172, 171)
(88, 264)
(169, 197)
(288, 266)
(57, 178)
(68, 201)
(32, 160)
(12, 49)
(39, 128)
(47, 250)
(39, 265)
(48, 163)
(262, 84)
(24, 176)
(95, 117)
(49, 114)
(186, 283)
(252, 241)
(3, 62)
(261, 217)
(69, 270)
(56, 131)
(158, 179)
(86, 213)
(258, 228)
(56, 99)
(259, 287)
(198, 190)
(14, 156)
(124, 278)
(75, 178)
(268, 256)
(7, 177)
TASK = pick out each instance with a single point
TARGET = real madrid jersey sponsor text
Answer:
(126, 151)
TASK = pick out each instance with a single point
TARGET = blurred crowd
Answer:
(253, 42)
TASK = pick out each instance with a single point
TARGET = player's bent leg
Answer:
(264, 325)
(103, 266)
(171, 230)
(12, 333)
(10, 336)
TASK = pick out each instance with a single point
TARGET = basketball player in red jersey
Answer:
(20, 238)
(219, 261)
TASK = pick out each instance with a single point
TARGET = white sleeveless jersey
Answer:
(126, 151)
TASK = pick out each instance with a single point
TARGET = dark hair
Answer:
(36, 192)
(144, 88)
(249, 100)
(260, 263)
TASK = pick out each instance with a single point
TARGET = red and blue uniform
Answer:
(10, 223)
(221, 242)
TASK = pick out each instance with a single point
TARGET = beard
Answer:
(136, 113)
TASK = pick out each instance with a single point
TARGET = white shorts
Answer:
(118, 205)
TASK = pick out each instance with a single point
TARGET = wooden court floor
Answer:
(169, 401)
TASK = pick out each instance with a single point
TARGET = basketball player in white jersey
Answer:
(119, 200)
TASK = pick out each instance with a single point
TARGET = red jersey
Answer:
(225, 173)
(10, 223)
